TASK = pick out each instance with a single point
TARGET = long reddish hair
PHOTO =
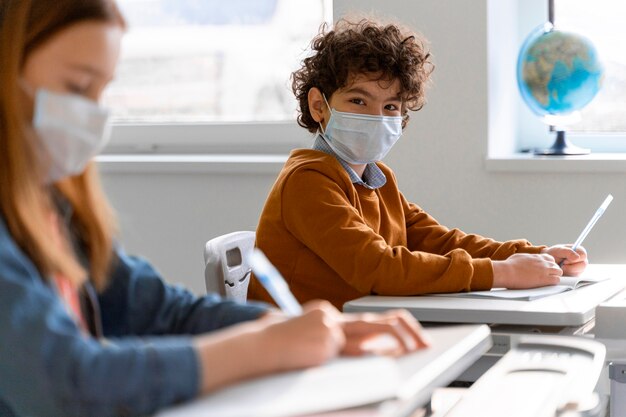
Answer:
(25, 203)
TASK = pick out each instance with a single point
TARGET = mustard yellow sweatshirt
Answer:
(334, 240)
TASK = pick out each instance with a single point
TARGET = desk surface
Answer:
(350, 382)
(570, 308)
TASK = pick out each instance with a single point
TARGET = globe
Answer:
(558, 72)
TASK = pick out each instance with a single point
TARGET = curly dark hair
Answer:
(365, 47)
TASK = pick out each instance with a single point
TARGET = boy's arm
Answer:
(424, 233)
(318, 213)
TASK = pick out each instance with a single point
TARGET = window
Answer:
(603, 22)
(197, 64)
(603, 124)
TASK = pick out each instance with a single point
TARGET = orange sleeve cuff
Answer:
(531, 249)
(482, 278)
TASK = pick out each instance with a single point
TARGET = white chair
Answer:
(226, 269)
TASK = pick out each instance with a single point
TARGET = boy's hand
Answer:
(572, 262)
(525, 270)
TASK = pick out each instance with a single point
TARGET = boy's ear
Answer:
(317, 105)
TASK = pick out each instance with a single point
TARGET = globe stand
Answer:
(562, 146)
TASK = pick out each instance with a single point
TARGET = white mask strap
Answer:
(329, 109)
(326, 101)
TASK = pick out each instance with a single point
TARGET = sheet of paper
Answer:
(348, 382)
(566, 284)
(342, 383)
(527, 294)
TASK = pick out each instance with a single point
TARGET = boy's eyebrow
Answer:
(359, 90)
(88, 69)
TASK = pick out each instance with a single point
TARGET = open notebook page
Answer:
(565, 284)
(346, 382)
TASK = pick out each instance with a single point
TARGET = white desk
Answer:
(350, 382)
(571, 308)
(568, 313)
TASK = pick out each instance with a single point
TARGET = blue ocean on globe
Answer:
(558, 72)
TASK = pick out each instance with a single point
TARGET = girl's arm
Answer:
(275, 343)
(139, 302)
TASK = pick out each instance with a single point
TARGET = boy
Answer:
(335, 223)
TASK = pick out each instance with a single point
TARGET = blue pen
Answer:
(599, 212)
(274, 283)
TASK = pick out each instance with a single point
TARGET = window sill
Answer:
(592, 163)
(190, 164)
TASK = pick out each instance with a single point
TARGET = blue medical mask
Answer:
(361, 138)
(72, 130)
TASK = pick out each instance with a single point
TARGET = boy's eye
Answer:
(75, 88)
(357, 101)
(391, 107)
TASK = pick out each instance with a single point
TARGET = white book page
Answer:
(344, 382)
(577, 282)
(566, 283)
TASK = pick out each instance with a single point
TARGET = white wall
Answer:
(439, 163)
(167, 218)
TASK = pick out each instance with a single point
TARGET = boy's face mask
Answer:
(361, 138)
(72, 130)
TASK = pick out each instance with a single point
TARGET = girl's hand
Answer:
(306, 340)
(394, 332)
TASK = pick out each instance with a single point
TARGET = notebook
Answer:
(349, 382)
(565, 284)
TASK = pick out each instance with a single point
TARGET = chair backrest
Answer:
(226, 268)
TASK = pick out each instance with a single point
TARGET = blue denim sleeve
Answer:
(139, 302)
(48, 367)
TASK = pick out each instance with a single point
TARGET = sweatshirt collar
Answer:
(373, 177)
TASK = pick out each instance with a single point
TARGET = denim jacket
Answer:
(143, 362)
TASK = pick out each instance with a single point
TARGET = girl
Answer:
(86, 329)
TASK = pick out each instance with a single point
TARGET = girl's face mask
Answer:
(72, 130)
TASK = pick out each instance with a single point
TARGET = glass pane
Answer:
(602, 21)
(212, 60)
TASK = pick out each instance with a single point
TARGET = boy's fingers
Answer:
(574, 254)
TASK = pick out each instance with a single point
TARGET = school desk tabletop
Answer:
(571, 308)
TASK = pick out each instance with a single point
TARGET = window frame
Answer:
(191, 138)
